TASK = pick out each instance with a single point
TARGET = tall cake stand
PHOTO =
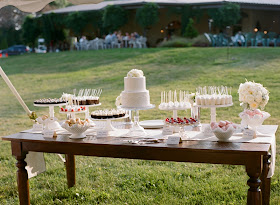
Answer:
(175, 109)
(213, 109)
(137, 130)
(54, 125)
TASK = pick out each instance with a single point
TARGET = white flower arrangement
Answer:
(118, 101)
(135, 73)
(253, 95)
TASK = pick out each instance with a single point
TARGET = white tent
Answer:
(37, 5)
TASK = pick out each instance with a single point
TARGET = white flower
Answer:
(250, 99)
(118, 101)
(135, 73)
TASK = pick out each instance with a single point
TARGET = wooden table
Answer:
(254, 156)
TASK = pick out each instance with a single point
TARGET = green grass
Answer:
(121, 181)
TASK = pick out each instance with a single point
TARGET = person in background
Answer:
(239, 38)
(108, 40)
(126, 38)
(83, 39)
(136, 35)
(120, 38)
(114, 36)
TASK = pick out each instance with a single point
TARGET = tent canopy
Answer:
(37, 5)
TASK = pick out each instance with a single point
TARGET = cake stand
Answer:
(54, 125)
(109, 126)
(72, 114)
(175, 109)
(87, 115)
(137, 130)
(213, 109)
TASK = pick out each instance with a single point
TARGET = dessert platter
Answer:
(135, 97)
(213, 97)
(108, 116)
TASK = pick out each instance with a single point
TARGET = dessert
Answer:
(211, 96)
(107, 114)
(169, 100)
(135, 94)
(72, 108)
(76, 121)
(222, 125)
(85, 97)
(50, 101)
(179, 121)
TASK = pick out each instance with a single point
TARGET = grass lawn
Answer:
(122, 181)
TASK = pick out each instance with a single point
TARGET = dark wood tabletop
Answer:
(254, 156)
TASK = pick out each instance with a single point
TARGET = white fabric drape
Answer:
(37, 5)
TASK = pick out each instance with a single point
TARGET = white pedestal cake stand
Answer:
(175, 109)
(137, 130)
(109, 126)
(55, 124)
(213, 109)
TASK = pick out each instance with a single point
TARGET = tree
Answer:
(147, 16)
(31, 30)
(76, 22)
(114, 17)
(227, 15)
(190, 31)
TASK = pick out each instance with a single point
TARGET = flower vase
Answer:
(253, 119)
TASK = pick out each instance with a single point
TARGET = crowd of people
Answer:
(111, 39)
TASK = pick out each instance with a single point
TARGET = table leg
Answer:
(265, 185)
(22, 181)
(70, 169)
(254, 192)
(22, 176)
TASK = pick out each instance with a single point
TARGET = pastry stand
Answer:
(175, 109)
(87, 115)
(55, 124)
(213, 109)
(109, 126)
(72, 114)
(137, 130)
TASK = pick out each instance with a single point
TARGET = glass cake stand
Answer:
(137, 130)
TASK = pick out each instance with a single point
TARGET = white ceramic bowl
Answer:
(76, 130)
(223, 135)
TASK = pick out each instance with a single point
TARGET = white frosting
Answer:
(135, 84)
(135, 99)
(213, 99)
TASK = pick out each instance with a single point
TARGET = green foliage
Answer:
(200, 41)
(52, 28)
(176, 42)
(147, 15)
(76, 21)
(114, 17)
(9, 36)
(186, 12)
(227, 15)
(190, 31)
(31, 30)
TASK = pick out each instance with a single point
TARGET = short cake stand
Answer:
(136, 130)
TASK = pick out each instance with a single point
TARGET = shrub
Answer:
(190, 31)
(176, 42)
(200, 41)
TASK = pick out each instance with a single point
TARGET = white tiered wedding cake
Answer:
(135, 94)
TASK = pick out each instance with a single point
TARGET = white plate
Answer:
(152, 123)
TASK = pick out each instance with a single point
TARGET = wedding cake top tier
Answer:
(135, 81)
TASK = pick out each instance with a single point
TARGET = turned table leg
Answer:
(265, 185)
(22, 176)
(70, 170)
(254, 192)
